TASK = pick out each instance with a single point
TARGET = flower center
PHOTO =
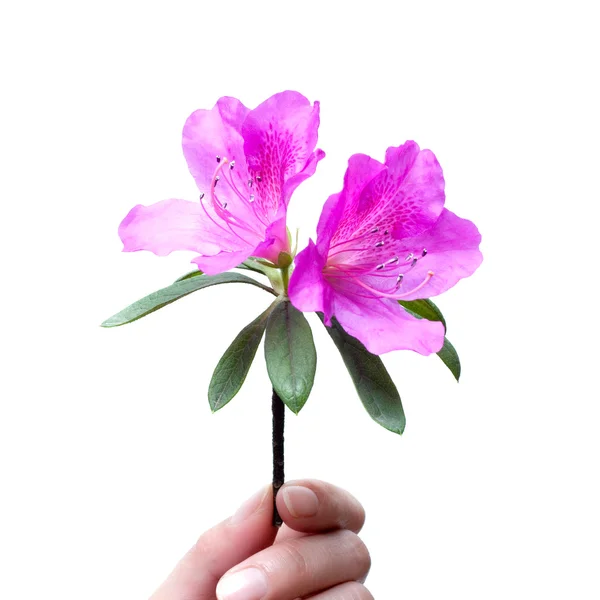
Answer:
(358, 260)
(243, 201)
(350, 245)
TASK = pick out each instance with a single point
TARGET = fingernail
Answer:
(300, 501)
(249, 584)
(249, 507)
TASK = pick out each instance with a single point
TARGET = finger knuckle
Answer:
(358, 550)
(293, 555)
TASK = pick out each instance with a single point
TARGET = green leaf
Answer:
(426, 309)
(373, 383)
(290, 354)
(252, 265)
(234, 365)
(177, 290)
(450, 358)
(189, 275)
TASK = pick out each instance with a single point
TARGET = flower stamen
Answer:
(369, 233)
(423, 283)
(339, 272)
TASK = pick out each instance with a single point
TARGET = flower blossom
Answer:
(386, 237)
(246, 164)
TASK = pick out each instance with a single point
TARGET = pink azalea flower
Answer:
(385, 237)
(246, 163)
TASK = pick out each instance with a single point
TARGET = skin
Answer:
(317, 553)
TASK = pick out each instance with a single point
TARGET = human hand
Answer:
(315, 554)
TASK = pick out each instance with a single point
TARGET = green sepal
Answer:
(230, 373)
(284, 260)
(373, 383)
(177, 290)
(290, 355)
(426, 309)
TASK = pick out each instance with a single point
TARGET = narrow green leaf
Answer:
(424, 309)
(189, 275)
(177, 290)
(373, 383)
(450, 358)
(234, 365)
(290, 354)
(252, 266)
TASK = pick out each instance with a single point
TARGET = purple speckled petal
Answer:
(170, 225)
(279, 138)
(382, 325)
(295, 180)
(339, 219)
(331, 215)
(407, 197)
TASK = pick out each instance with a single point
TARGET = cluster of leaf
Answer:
(290, 352)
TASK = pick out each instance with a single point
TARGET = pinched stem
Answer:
(278, 460)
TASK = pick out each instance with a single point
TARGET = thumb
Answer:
(248, 531)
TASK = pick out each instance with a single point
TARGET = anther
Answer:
(224, 204)
(374, 230)
(217, 180)
(218, 158)
(379, 267)
(414, 262)
(409, 257)
(249, 182)
(251, 197)
(379, 244)
(201, 195)
(258, 178)
(386, 232)
(424, 253)
(399, 280)
(232, 164)
(393, 261)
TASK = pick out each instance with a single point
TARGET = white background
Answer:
(112, 463)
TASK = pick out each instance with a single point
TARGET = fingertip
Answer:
(300, 501)
(313, 506)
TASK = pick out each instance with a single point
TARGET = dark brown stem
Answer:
(278, 461)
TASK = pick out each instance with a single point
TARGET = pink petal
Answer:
(382, 325)
(452, 246)
(279, 138)
(331, 215)
(221, 262)
(339, 219)
(308, 290)
(167, 226)
(211, 133)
